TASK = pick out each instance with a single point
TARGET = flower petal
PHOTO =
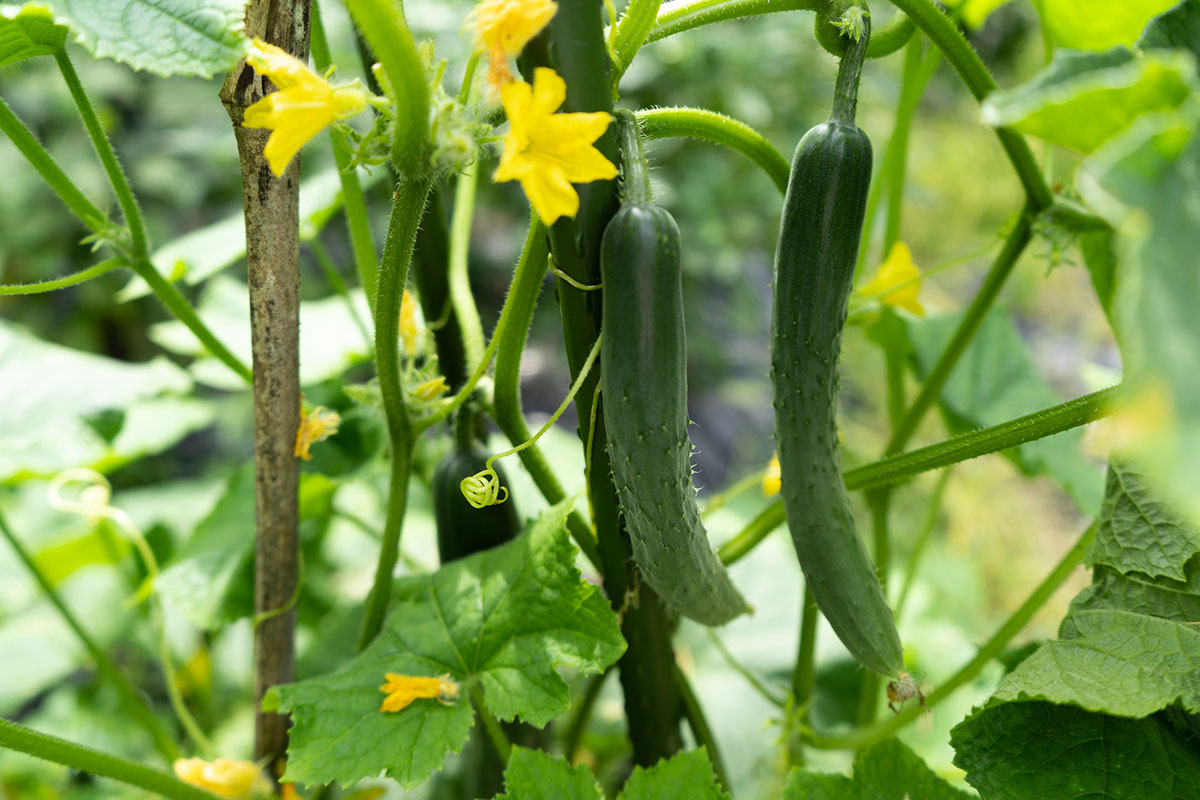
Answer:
(549, 91)
(551, 194)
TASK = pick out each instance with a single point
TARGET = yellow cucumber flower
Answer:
(402, 690)
(304, 105)
(897, 269)
(315, 426)
(548, 152)
(225, 777)
(410, 325)
(772, 477)
(503, 28)
(430, 390)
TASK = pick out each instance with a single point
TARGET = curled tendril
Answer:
(483, 489)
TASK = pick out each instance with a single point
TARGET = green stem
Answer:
(804, 676)
(382, 23)
(635, 172)
(744, 671)
(918, 551)
(85, 759)
(931, 389)
(430, 259)
(897, 468)
(358, 220)
(53, 175)
(54, 284)
(993, 647)
(506, 404)
(684, 16)
(407, 207)
(579, 720)
(133, 703)
(917, 72)
(701, 730)
(942, 31)
(709, 126)
(108, 158)
(178, 305)
(491, 725)
(463, 301)
(631, 33)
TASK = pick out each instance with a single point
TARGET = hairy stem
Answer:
(73, 279)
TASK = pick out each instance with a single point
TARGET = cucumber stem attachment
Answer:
(635, 175)
(855, 23)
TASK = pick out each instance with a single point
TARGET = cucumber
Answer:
(462, 529)
(814, 268)
(644, 393)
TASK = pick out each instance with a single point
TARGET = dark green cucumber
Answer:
(462, 529)
(644, 390)
(814, 269)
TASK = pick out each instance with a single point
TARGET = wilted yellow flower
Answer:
(402, 690)
(504, 27)
(315, 426)
(410, 326)
(431, 389)
(897, 269)
(771, 478)
(548, 152)
(225, 777)
(303, 106)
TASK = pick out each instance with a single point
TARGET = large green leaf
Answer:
(1080, 716)
(1178, 28)
(886, 771)
(1098, 24)
(503, 620)
(534, 775)
(996, 381)
(166, 37)
(48, 391)
(1140, 533)
(29, 32)
(1038, 750)
(1146, 183)
(1083, 99)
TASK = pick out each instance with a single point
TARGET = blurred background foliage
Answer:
(175, 441)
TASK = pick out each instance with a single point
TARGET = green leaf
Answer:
(1037, 750)
(504, 619)
(29, 32)
(1146, 184)
(534, 775)
(886, 771)
(47, 393)
(197, 256)
(166, 37)
(202, 574)
(1082, 100)
(1138, 532)
(330, 341)
(1178, 28)
(1173, 600)
(1118, 662)
(687, 775)
(1098, 24)
(1100, 258)
(996, 381)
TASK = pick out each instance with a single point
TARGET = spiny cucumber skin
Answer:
(814, 269)
(644, 393)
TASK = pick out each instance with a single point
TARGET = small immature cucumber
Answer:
(644, 392)
(814, 268)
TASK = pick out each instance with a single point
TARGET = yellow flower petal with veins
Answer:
(304, 105)
(897, 269)
(548, 152)
(402, 690)
(771, 481)
(504, 27)
(225, 777)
